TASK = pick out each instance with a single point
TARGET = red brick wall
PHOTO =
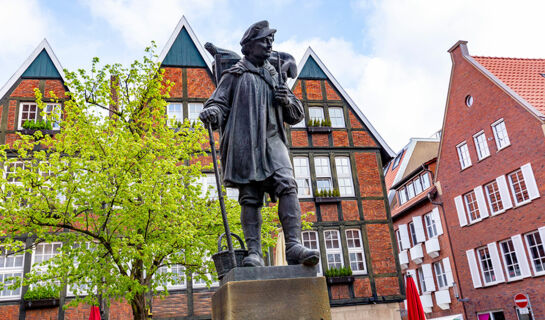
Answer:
(26, 88)
(354, 122)
(297, 90)
(299, 139)
(374, 210)
(387, 286)
(202, 303)
(9, 312)
(329, 212)
(199, 83)
(320, 140)
(308, 206)
(12, 114)
(314, 90)
(56, 86)
(368, 174)
(43, 314)
(350, 210)
(363, 139)
(174, 75)
(339, 292)
(340, 139)
(527, 144)
(382, 256)
(330, 92)
(174, 305)
(362, 287)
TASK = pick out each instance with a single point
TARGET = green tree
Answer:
(120, 192)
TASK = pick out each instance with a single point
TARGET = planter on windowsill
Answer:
(319, 129)
(41, 303)
(327, 199)
(32, 131)
(340, 280)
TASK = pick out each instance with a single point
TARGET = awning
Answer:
(452, 317)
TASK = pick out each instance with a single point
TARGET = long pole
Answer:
(220, 197)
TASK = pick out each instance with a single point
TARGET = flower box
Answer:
(32, 131)
(340, 280)
(42, 303)
(319, 129)
(327, 199)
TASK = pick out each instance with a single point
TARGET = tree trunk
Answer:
(138, 305)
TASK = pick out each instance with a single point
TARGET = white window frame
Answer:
(410, 190)
(425, 179)
(402, 196)
(421, 281)
(301, 171)
(497, 194)
(175, 116)
(20, 119)
(344, 176)
(520, 182)
(467, 208)
(310, 240)
(533, 259)
(336, 116)
(333, 249)
(490, 266)
(175, 268)
(316, 113)
(56, 109)
(399, 243)
(440, 275)
(412, 233)
(355, 249)
(481, 145)
(192, 114)
(11, 271)
(514, 259)
(463, 155)
(500, 134)
(431, 225)
(323, 171)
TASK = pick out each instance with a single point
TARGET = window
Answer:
(316, 113)
(232, 193)
(491, 315)
(208, 183)
(510, 259)
(500, 134)
(45, 251)
(417, 186)
(11, 267)
(518, 187)
(463, 155)
(487, 269)
(194, 111)
(302, 176)
(402, 196)
(355, 251)
(421, 280)
(177, 276)
(310, 241)
(344, 176)
(11, 171)
(300, 124)
(399, 243)
(425, 178)
(472, 208)
(431, 228)
(412, 233)
(53, 115)
(27, 111)
(397, 159)
(333, 249)
(175, 114)
(337, 117)
(440, 275)
(481, 145)
(323, 174)
(537, 251)
(410, 190)
(494, 197)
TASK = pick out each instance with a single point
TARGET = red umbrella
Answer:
(95, 313)
(414, 306)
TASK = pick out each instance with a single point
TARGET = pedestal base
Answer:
(292, 298)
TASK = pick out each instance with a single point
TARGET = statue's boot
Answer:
(250, 218)
(289, 213)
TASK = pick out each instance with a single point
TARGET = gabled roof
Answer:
(310, 66)
(525, 76)
(183, 49)
(42, 63)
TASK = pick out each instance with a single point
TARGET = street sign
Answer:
(524, 311)
(521, 300)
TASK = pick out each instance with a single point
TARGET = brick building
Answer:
(491, 176)
(422, 238)
(340, 151)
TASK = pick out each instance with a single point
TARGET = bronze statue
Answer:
(249, 106)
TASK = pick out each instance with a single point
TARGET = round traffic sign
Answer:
(521, 300)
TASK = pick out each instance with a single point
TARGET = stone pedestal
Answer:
(292, 292)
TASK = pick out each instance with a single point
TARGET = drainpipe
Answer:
(440, 204)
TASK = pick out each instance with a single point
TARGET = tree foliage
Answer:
(120, 192)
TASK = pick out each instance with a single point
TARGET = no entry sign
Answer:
(521, 300)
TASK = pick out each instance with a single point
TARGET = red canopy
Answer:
(414, 305)
(95, 313)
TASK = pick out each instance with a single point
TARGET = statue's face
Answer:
(261, 48)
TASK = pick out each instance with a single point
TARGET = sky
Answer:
(390, 55)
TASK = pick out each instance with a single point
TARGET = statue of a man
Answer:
(250, 107)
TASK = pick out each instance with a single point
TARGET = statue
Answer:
(249, 107)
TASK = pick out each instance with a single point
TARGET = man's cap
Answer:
(256, 31)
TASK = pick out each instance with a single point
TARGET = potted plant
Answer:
(319, 126)
(339, 275)
(42, 297)
(325, 196)
(30, 127)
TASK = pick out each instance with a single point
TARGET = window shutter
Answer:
(428, 277)
(542, 234)
(531, 184)
(496, 264)
(461, 211)
(437, 219)
(448, 271)
(475, 276)
(412, 273)
(504, 192)
(404, 234)
(483, 209)
(521, 256)
(419, 229)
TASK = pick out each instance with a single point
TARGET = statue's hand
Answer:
(210, 115)
(281, 95)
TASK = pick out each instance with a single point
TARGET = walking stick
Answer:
(220, 197)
